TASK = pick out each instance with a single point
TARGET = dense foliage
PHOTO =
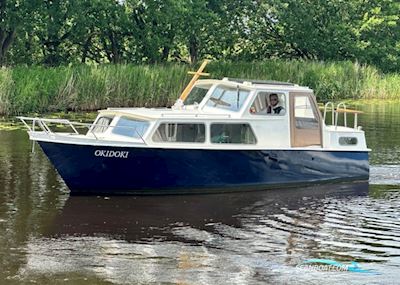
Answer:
(60, 32)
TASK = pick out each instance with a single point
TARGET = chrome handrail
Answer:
(344, 114)
(341, 108)
(332, 108)
(41, 122)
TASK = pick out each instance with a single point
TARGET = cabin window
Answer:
(305, 118)
(196, 95)
(102, 124)
(130, 127)
(228, 98)
(180, 132)
(348, 141)
(232, 133)
(269, 103)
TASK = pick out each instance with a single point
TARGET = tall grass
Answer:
(85, 88)
(330, 81)
(6, 87)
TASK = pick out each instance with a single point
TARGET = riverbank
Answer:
(87, 88)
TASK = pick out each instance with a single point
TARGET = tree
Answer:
(101, 34)
(56, 32)
(379, 34)
(154, 25)
(320, 29)
(8, 27)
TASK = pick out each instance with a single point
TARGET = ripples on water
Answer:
(48, 237)
(219, 239)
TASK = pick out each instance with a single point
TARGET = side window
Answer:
(304, 114)
(130, 127)
(269, 103)
(348, 141)
(232, 133)
(102, 124)
(181, 132)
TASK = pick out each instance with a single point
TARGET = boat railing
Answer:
(340, 109)
(32, 123)
(332, 108)
(194, 115)
(43, 124)
(343, 105)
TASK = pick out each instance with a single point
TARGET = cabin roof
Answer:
(261, 82)
(184, 114)
(143, 113)
(255, 84)
(165, 113)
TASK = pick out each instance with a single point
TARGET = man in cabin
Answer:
(273, 108)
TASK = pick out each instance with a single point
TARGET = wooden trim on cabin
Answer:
(349, 111)
(313, 100)
(305, 137)
(292, 120)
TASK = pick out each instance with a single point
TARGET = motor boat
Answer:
(221, 135)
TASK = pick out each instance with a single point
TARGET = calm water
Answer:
(48, 237)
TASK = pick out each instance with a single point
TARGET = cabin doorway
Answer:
(305, 120)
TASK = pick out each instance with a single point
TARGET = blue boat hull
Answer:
(121, 170)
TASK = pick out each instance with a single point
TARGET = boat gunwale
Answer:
(88, 141)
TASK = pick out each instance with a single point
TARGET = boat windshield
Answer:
(130, 127)
(101, 124)
(197, 94)
(227, 98)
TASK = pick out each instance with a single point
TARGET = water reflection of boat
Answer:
(221, 135)
(217, 239)
(136, 218)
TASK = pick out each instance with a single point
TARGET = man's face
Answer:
(273, 100)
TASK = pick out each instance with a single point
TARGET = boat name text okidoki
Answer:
(111, 153)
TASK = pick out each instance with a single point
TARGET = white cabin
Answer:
(226, 114)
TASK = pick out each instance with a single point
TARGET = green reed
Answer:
(87, 88)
